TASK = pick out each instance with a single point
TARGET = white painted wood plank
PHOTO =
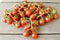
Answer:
(30, 0)
(20, 37)
(52, 27)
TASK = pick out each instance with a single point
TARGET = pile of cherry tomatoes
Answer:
(30, 15)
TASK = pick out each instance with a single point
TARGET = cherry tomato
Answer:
(33, 17)
(18, 25)
(34, 36)
(41, 22)
(15, 8)
(30, 8)
(9, 21)
(26, 34)
(4, 20)
(26, 28)
(47, 19)
(22, 9)
(28, 13)
(23, 22)
(10, 17)
(14, 13)
(56, 16)
(41, 13)
(16, 18)
(33, 25)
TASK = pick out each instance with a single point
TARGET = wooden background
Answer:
(50, 31)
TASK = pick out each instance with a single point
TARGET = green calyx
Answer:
(53, 11)
(8, 11)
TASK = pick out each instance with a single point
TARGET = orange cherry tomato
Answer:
(34, 36)
(56, 16)
(26, 34)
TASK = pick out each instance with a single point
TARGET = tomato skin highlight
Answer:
(4, 20)
(26, 34)
(47, 19)
(34, 36)
(56, 16)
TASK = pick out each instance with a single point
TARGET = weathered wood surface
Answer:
(30, 0)
(52, 27)
(20, 37)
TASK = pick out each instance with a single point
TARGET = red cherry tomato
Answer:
(47, 19)
(4, 20)
(15, 8)
(22, 9)
(14, 13)
(33, 25)
(26, 28)
(30, 8)
(34, 36)
(56, 16)
(33, 17)
(23, 22)
(26, 34)
(16, 18)
(41, 22)
(28, 13)
(18, 25)
(9, 21)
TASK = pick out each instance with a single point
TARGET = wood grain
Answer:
(52, 27)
